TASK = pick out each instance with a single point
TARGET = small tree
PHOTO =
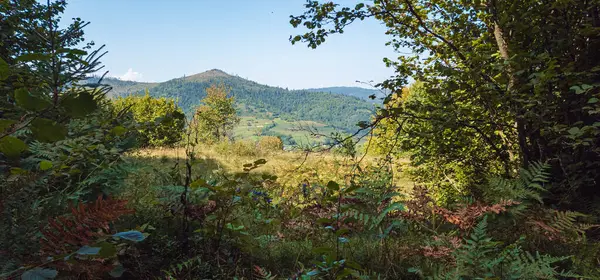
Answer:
(217, 116)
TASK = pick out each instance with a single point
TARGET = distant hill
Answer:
(359, 92)
(338, 111)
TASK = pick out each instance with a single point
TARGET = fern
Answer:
(524, 265)
(563, 225)
(528, 186)
(473, 258)
(190, 266)
(480, 257)
(45, 150)
(83, 225)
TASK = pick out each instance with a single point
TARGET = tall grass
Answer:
(291, 167)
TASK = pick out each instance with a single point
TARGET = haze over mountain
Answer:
(340, 108)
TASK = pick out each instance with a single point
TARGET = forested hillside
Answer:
(337, 110)
(362, 93)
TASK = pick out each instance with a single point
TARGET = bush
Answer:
(267, 144)
(160, 121)
(242, 148)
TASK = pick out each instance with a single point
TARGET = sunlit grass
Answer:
(291, 167)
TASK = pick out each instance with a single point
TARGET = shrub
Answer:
(267, 144)
(160, 121)
(243, 148)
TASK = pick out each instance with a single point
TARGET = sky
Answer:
(155, 41)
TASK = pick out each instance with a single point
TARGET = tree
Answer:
(521, 76)
(60, 140)
(216, 117)
(160, 121)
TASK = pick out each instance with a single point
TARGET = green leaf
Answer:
(333, 186)
(586, 86)
(72, 51)
(5, 124)
(322, 250)
(39, 273)
(574, 131)
(324, 221)
(17, 171)
(4, 70)
(29, 102)
(342, 231)
(45, 165)
(593, 100)
(32, 57)
(233, 227)
(353, 265)
(118, 130)
(107, 250)
(577, 89)
(80, 105)
(45, 130)
(12, 147)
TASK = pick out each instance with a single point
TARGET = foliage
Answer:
(479, 257)
(270, 144)
(86, 223)
(60, 139)
(217, 116)
(528, 186)
(487, 79)
(345, 146)
(160, 122)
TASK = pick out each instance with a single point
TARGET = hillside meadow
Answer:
(292, 168)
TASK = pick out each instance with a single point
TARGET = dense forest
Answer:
(483, 162)
(372, 95)
(337, 110)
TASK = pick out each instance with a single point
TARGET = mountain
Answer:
(359, 92)
(338, 111)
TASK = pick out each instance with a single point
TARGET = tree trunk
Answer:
(500, 37)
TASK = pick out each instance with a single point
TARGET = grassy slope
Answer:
(250, 126)
(290, 167)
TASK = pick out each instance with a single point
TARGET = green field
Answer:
(302, 132)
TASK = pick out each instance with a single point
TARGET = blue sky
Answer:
(152, 40)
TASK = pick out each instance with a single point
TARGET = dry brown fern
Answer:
(466, 217)
(85, 224)
(562, 226)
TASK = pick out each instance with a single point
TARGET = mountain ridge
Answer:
(339, 111)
